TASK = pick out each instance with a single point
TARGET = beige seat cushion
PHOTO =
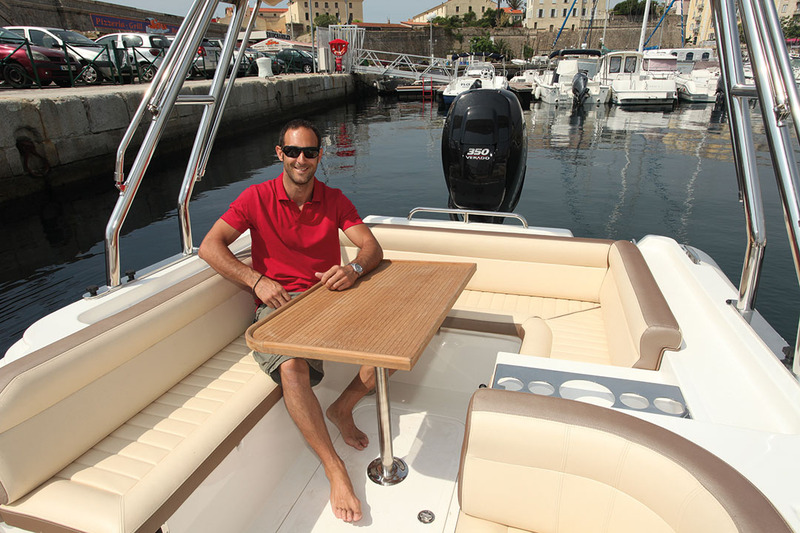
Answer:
(117, 485)
(550, 465)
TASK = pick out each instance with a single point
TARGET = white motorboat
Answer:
(633, 86)
(576, 384)
(477, 74)
(698, 85)
(573, 80)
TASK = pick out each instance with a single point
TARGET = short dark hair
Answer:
(298, 123)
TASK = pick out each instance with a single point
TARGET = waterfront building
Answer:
(549, 15)
(459, 8)
(301, 12)
(268, 19)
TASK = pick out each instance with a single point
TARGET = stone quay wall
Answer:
(57, 137)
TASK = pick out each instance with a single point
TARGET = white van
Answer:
(94, 58)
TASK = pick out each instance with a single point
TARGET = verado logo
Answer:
(479, 153)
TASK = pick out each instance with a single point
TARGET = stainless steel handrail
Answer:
(466, 213)
(779, 99)
(159, 99)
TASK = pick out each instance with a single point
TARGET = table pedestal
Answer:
(386, 469)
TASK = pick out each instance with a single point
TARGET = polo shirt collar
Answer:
(316, 195)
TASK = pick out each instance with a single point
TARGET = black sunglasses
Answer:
(311, 152)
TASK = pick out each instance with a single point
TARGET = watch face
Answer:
(357, 268)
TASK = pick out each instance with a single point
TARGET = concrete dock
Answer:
(54, 136)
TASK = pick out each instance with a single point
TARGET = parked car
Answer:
(205, 62)
(18, 66)
(94, 59)
(295, 60)
(137, 54)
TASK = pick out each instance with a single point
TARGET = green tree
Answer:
(635, 8)
(790, 27)
(489, 19)
(470, 18)
(323, 20)
(482, 43)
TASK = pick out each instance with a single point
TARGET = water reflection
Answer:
(602, 172)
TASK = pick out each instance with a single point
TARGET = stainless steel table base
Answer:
(386, 469)
(396, 474)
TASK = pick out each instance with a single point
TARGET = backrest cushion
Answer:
(60, 401)
(531, 265)
(639, 322)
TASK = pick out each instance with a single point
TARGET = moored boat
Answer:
(477, 74)
(630, 85)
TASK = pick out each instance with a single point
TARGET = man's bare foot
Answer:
(347, 427)
(346, 506)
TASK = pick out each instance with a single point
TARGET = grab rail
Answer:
(466, 213)
(779, 100)
(159, 99)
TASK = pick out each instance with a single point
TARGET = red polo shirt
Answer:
(290, 245)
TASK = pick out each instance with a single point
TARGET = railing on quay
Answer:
(403, 65)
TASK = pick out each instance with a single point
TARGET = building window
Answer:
(326, 5)
(784, 8)
(574, 12)
(563, 12)
(541, 13)
(316, 4)
(469, 8)
(552, 14)
(456, 9)
(535, 24)
(336, 5)
(483, 9)
(583, 12)
(551, 27)
(306, 15)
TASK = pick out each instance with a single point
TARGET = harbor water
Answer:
(603, 172)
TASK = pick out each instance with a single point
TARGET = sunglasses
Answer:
(311, 152)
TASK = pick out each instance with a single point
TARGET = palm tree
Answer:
(515, 4)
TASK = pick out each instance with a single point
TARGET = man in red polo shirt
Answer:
(294, 223)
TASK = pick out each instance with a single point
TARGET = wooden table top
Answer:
(386, 319)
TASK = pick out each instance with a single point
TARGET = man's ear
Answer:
(279, 152)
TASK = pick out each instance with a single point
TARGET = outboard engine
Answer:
(484, 149)
(580, 88)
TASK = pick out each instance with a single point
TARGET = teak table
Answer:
(385, 320)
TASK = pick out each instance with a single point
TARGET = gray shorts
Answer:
(270, 362)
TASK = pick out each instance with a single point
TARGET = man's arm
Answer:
(214, 251)
(369, 256)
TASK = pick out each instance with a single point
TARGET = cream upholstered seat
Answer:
(550, 465)
(589, 300)
(110, 429)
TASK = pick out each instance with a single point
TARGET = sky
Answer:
(374, 10)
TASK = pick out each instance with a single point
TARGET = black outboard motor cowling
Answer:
(484, 149)
(580, 88)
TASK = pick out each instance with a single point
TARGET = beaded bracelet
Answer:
(256, 283)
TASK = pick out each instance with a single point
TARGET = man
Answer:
(294, 222)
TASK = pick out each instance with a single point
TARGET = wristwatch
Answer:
(358, 269)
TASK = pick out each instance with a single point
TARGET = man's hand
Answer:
(338, 278)
(271, 293)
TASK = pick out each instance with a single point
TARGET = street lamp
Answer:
(430, 23)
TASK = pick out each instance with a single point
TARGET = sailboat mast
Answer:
(644, 25)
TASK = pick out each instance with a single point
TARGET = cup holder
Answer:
(634, 401)
(587, 391)
(541, 388)
(512, 384)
